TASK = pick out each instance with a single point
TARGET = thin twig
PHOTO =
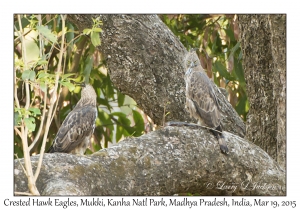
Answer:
(21, 164)
(41, 42)
(164, 116)
(210, 24)
(59, 89)
(42, 123)
(24, 131)
(18, 132)
(22, 193)
(53, 99)
(16, 91)
(17, 39)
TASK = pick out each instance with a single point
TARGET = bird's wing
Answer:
(201, 99)
(79, 123)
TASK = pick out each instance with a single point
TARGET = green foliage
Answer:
(29, 75)
(30, 123)
(38, 67)
(219, 51)
(22, 114)
(47, 33)
(66, 81)
(34, 111)
(112, 125)
(94, 32)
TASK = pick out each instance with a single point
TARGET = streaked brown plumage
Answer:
(201, 101)
(76, 130)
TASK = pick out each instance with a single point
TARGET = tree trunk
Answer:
(165, 162)
(263, 41)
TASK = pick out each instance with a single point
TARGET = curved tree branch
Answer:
(164, 162)
(146, 61)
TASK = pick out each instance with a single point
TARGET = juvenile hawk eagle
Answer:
(201, 101)
(76, 130)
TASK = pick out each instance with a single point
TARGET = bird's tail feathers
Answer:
(221, 139)
(223, 145)
(51, 149)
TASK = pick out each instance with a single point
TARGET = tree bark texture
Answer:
(263, 40)
(145, 60)
(164, 162)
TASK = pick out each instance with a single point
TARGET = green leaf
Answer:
(105, 119)
(46, 32)
(35, 111)
(17, 118)
(240, 55)
(24, 23)
(230, 34)
(70, 33)
(26, 74)
(97, 22)
(239, 71)
(125, 123)
(218, 66)
(97, 30)
(96, 75)
(122, 118)
(139, 122)
(119, 133)
(88, 151)
(95, 38)
(32, 20)
(43, 87)
(96, 147)
(87, 31)
(216, 47)
(68, 84)
(104, 102)
(30, 123)
(20, 110)
(32, 50)
(121, 98)
(67, 75)
(241, 106)
(43, 75)
(119, 114)
(237, 46)
(32, 75)
(42, 62)
(88, 67)
(109, 89)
